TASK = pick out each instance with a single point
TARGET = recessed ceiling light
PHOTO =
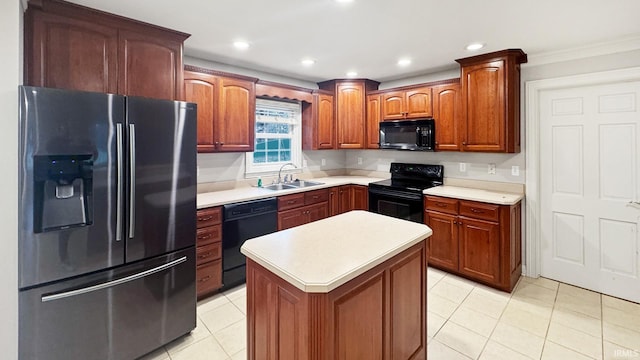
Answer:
(404, 62)
(241, 45)
(352, 74)
(475, 46)
(308, 62)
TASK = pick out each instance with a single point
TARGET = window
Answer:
(277, 137)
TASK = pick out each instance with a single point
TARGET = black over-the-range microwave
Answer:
(408, 134)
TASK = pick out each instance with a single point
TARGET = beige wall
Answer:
(10, 78)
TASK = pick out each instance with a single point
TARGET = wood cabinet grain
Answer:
(226, 109)
(409, 103)
(380, 314)
(491, 101)
(302, 208)
(374, 116)
(73, 47)
(447, 113)
(208, 251)
(348, 197)
(350, 110)
(477, 240)
(318, 122)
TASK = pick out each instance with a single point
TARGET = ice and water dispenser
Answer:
(62, 191)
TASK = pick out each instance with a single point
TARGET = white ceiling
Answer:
(369, 36)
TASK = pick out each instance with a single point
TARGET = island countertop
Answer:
(320, 256)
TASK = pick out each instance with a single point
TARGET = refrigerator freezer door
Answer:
(68, 187)
(113, 314)
(162, 173)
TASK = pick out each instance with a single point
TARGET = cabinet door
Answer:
(201, 89)
(447, 104)
(479, 249)
(317, 211)
(418, 103)
(393, 105)
(149, 66)
(235, 121)
(360, 197)
(373, 122)
(350, 115)
(334, 201)
(484, 101)
(443, 244)
(291, 218)
(344, 199)
(325, 122)
(71, 54)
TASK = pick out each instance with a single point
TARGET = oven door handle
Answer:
(396, 194)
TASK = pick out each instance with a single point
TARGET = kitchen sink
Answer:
(280, 187)
(304, 183)
(292, 185)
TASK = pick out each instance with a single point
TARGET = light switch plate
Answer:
(359, 161)
(492, 169)
(463, 167)
(304, 163)
(323, 162)
(515, 170)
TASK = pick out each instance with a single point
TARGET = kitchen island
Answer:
(352, 286)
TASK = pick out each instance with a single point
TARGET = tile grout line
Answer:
(553, 309)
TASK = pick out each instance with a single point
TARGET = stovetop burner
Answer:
(412, 178)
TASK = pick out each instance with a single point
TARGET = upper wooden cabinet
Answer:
(373, 121)
(69, 46)
(410, 103)
(447, 112)
(350, 111)
(318, 122)
(491, 101)
(226, 109)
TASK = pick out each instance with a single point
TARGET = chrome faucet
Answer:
(280, 172)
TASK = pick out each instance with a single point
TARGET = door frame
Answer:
(532, 150)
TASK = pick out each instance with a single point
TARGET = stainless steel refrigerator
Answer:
(107, 222)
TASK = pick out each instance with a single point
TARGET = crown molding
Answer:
(620, 45)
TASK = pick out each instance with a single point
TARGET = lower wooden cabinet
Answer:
(208, 251)
(348, 197)
(477, 240)
(302, 208)
(380, 314)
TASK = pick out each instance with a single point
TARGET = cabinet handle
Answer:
(291, 202)
(316, 197)
(205, 255)
(205, 218)
(205, 278)
(476, 211)
(221, 144)
(441, 205)
(208, 236)
(455, 222)
(464, 143)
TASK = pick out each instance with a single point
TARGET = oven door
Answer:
(398, 204)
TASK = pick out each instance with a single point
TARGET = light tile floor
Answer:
(541, 319)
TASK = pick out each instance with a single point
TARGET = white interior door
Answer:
(590, 188)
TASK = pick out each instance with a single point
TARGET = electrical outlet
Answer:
(304, 163)
(492, 169)
(463, 167)
(359, 161)
(323, 162)
(515, 170)
(197, 170)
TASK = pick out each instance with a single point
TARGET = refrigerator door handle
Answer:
(120, 168)
(113, 283)
(132, 179)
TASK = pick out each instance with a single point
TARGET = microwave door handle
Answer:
(418, 136)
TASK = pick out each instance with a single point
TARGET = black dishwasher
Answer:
(243, 221)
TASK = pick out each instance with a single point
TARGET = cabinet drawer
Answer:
(316, 196)
(479, 210)
(290, 201)
(208, 277)
(445, 205)
(209, 216)
(209, 235)
(208, 252)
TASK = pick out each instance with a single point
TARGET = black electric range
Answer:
(401, 196)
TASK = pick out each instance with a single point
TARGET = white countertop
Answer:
(465, 193)
(217, 198)
(320, 256)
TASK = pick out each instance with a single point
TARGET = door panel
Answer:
(480, 249)
(67, 233)
(443, 244)
(419, 103)
(236, 115)
(164, 195)
(201, 89)
(589, 181)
